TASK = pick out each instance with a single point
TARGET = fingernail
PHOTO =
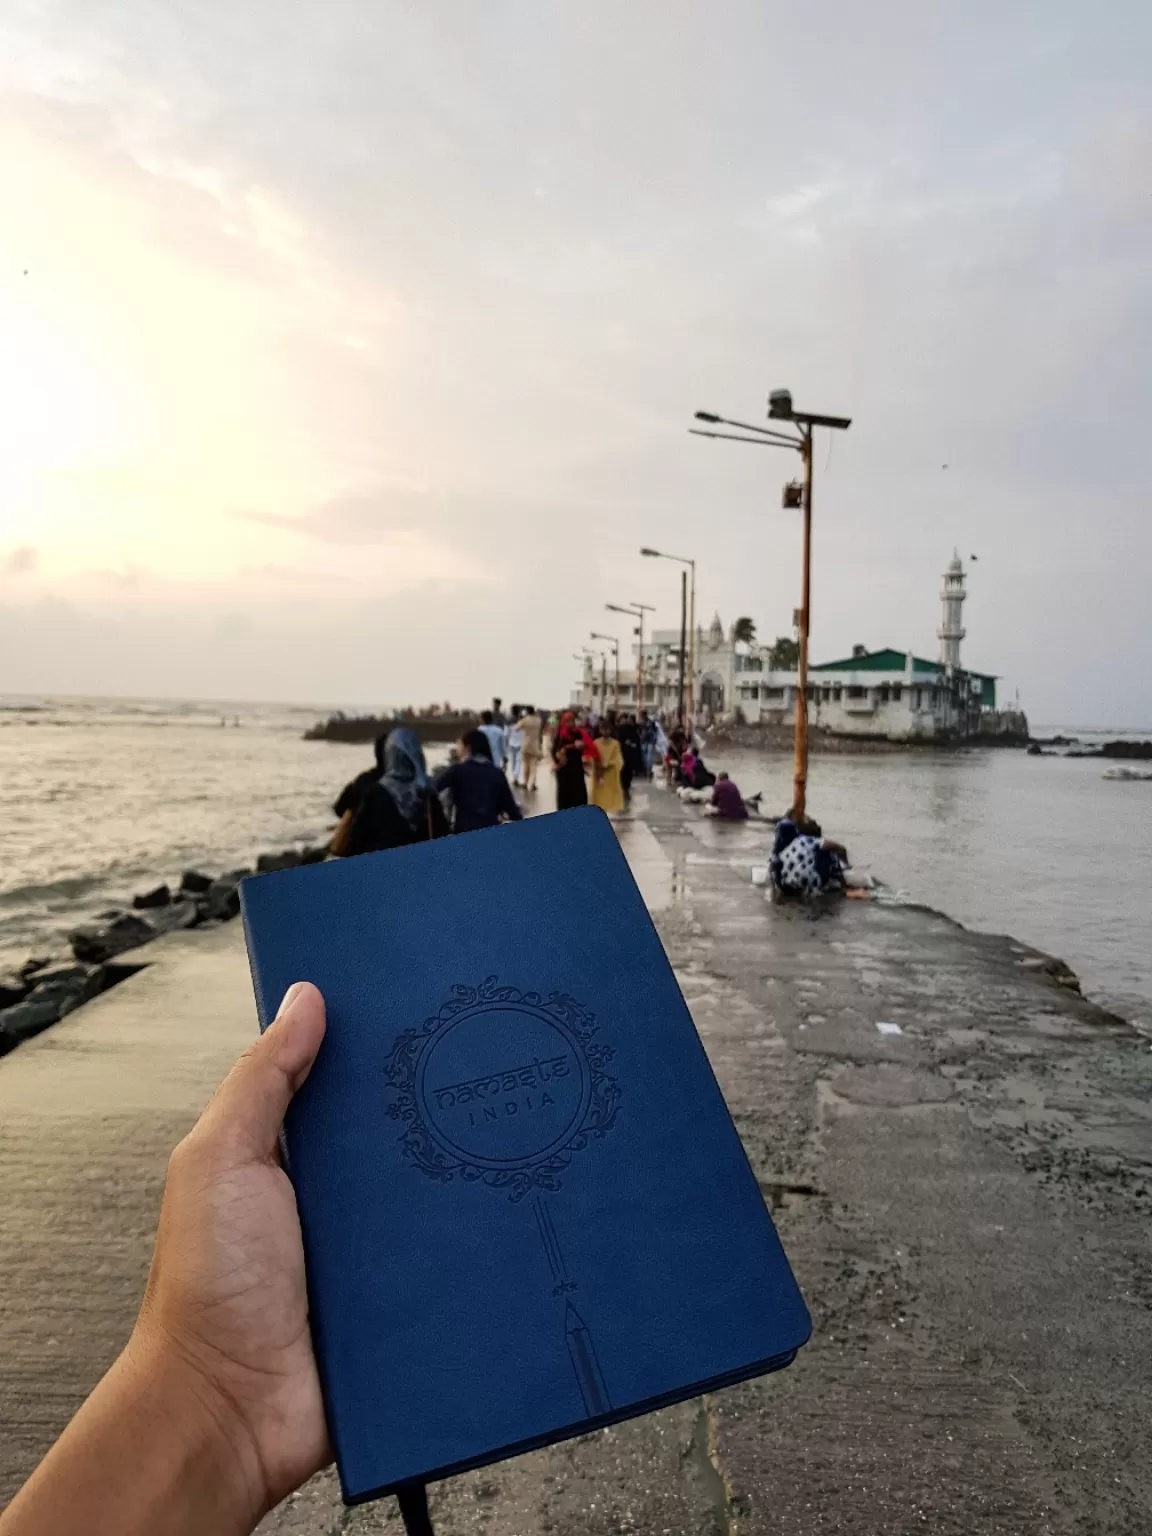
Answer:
(289, 998)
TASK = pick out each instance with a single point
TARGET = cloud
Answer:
(369, 518)
(128, 578)
(300, 575)
(20, 561)
(435, 300)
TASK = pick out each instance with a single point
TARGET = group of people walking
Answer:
(516, 742)
(398, 802)
(596, 759)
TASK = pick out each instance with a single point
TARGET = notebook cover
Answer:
(526, 1210)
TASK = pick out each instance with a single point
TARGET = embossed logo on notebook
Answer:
(502, 1087)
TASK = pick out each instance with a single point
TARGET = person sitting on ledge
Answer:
(805, 863)
(727, 801)
(694, 773)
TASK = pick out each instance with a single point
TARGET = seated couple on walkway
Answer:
(805, 863)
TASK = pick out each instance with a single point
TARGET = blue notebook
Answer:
(526, 1210)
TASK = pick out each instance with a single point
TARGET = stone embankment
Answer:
(45, 989)
(782, 738)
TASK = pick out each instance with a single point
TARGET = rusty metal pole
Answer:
(780, 410)
(683, 638)
(692, 700)
(800, 772)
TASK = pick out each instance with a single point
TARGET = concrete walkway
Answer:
(89, 1112)
(966, 1204)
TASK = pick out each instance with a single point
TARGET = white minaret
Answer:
(952, 629)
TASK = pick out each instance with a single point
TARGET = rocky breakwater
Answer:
(1072, 746)
(45, 989)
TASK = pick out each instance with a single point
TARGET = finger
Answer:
(249, 1107)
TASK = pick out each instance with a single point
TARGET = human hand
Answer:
(212, 1413)
(226, 1299)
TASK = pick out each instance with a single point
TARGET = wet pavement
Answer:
(966, 1204)
(89, 1112)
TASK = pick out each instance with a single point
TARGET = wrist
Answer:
(210, 1444)
(151, 1450)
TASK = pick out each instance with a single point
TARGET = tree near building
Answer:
(784, 656)
(744, 629)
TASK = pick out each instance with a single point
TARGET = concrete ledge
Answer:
(89, 1112)
(158, 1042)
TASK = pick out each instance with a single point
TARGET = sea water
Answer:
(102, 798)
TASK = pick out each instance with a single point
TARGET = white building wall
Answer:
(900, 705)
(883, 704)
(661, 674)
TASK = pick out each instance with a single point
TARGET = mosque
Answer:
(888, 693)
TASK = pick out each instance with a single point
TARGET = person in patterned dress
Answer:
(804, 863)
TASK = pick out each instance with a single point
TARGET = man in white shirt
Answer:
(496, 739)
(513, 742)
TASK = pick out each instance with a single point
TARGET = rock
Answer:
(271, 863)
(63, 989)
(179, 914)
(159, 896)
(193, 882)
(34, 963)
(1136, 749)
(58, 975)
(25, 1020)
(224, 894)
(223, 900)
(13, 989)
(67, 986)
(93, 943)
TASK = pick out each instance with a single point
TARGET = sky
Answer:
(348, 349)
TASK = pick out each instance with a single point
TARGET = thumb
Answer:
(248, 1110)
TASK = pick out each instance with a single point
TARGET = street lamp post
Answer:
(615, 644)
(637, 611)
(658, 554)
(780, 409)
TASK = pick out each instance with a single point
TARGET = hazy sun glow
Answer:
(142, 400)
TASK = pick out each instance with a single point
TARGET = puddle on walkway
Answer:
(661, 881)
(701, 1457)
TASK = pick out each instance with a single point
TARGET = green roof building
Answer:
(892, 661)
(888, 693)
